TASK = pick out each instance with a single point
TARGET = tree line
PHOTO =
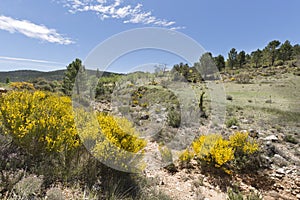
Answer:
(275, 51)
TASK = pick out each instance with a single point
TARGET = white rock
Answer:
(272, 138)
(234, 127)
(280, 171)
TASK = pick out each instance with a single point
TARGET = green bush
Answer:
(237, 195)
(174, 118)
(231, 122)
(55, 194)
(29, 187)
(290, 139)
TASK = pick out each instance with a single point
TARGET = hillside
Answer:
(28, 75)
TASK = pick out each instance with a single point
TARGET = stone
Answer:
(279, 160)
(260, 134)
(272, 138)
(245, 121)
(144, 116)
(159, 120)
(280, 171)
(253, 133)
(234, 127)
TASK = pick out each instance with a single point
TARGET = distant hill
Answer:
(28, 75)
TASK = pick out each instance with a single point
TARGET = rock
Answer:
(279, 160)
(265, 161)
(280, 171)
(234, 127)
(253, 133)
(159, 120)
(245, 121)
(163, 109)
(144, 116)
(272, 138)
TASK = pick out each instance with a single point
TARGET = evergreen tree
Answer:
(271, 51)
(7, 80)
(206, 65)
(75, 74)
(256, 57)
(286, 51)
(232, 58)
(220, 62)
(241, 58)
(296, 50)
(98, 74)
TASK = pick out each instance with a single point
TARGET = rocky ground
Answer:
(267, 106)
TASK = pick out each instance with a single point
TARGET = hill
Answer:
(28, 75)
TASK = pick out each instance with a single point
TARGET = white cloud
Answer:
(117, 9)
(177, 28)
(32, 30)
(29, 60)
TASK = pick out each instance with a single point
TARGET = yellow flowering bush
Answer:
(221, 153)
(120, 132)
(213, 149)
(242, 143)
(186, 156)
(113, 140)
(22, 86)
(39, 122)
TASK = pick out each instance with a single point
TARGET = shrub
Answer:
(231, 122)
(222, 153)
(232, 195)
(112, 140)
(55, 194)
(242, 144)
(186, 156)
(213, 149)
(28, 187)
(278, 63)
(174, 118)
(237, 195)
(290, 139)
(39, 122)
(242, 78)
(21, 86)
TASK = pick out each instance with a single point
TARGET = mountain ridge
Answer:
(29, 75)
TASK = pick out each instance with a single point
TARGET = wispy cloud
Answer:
(29, 60)
(32, 30)
(13, 63)
(117, 9)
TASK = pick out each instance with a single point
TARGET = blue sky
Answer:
(47, 35)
